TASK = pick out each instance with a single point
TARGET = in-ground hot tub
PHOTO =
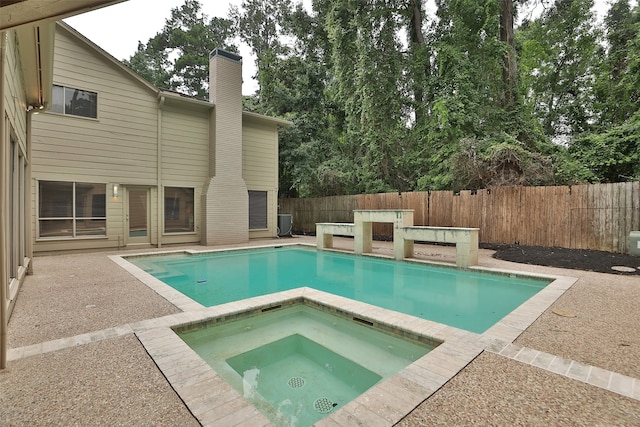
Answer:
(298, 364)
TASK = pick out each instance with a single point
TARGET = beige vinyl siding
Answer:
(260, 168)
(14, 115)
(259, 155)
(14, 95)
(185, 146)
(185, 159)
(119, 146)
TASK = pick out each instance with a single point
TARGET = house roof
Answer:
(14, 13)
(33, 22)
(163, 94)
(68, 28)
(36, 53)
(266, 119)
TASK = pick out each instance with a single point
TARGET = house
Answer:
(94, 157)
(119, 163)
(27, 29)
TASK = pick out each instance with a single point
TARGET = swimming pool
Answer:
(469, 300)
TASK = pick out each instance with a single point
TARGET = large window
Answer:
(257, 210)
(178, 210)
(71, 209)
(76, 102)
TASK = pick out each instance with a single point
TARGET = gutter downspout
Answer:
(29, 185)
(3, 214)
(159, 169)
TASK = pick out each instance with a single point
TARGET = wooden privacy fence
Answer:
(597, 216)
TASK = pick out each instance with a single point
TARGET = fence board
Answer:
(485, 226)
(635, 206)
(617, 216)
(440, 205)
(562, 230)
(627, 202)
(529, 217)
(598, 216)
(583, 217)
(419, 202)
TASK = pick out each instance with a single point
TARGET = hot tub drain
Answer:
(324, 405)
(295, 382)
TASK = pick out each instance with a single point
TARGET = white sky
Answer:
(118, 28)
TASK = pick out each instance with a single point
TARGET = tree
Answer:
(152, 65)
(258, 23)
(177, 58)
(559, 53)
(617, 86)
(613, 155)
(510, 66)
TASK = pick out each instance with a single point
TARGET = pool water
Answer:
(298, 364)
(301, 379)
(468, 300)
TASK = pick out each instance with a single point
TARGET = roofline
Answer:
(23, 12)
(272, 120)
(169, 95)
(158, 91)
(107, 55)
(36, 48)
(175, 96)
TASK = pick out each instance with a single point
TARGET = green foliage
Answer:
(617, 87)
(177, 58)
(613, 155)
(558, 54)
(151, 65)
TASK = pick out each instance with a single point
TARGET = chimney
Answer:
(226, 200)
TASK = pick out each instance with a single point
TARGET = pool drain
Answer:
(324, 405)
(295, 382)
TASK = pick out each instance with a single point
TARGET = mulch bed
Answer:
(578, 259)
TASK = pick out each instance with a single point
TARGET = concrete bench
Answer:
(326, 230)
(465, 239)
(404, 234)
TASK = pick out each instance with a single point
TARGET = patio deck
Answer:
(74, 358)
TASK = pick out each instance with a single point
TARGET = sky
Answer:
(118, 28)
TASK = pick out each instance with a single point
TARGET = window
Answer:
(257, 210)
(178, 210)
(74, 102)
(71, 209)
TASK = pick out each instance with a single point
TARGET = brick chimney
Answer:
(226, 200)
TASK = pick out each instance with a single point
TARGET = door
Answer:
(138, 216)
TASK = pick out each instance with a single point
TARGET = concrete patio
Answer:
(74, 359)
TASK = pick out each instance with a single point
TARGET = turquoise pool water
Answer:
(469, 300)
(299, 364)
(301, 379)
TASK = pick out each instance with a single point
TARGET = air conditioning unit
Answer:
(285, 225)
(634, 243)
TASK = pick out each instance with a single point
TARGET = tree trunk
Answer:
(509, 70)
(417, 40)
